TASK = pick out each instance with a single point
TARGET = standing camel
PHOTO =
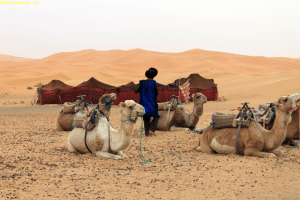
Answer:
(250, 141)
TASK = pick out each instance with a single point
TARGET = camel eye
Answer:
(285, 100)
(130, 107)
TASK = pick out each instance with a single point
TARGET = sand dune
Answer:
(238, 77)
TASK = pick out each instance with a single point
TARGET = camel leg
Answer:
(174, 128)
(120, 153)
(58, 127)
(108, 155)
(278, 152)
(204, 146)
(280, 148)
(254, 152)
(70, 147)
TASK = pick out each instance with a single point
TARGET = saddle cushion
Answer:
(79, 118)
(224, 120)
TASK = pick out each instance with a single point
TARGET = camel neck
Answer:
(120, 139)
(193, 118)
(276, 135)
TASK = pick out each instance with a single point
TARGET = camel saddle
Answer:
(87, 121)
(224, 120)
(264, 115)
(68, 108)
(167, 105)
(72, 108)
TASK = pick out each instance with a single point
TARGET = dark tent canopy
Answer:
(196, 81)
(95, 83)
(132, 84)
(55, 84)
(128, 85)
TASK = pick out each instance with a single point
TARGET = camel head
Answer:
(108, 98)
(296, 99)
(287, 103)
(199, 98)
(131, 110)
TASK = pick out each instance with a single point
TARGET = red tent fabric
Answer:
(58, 92)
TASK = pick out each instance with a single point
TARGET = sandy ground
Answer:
(35, 162)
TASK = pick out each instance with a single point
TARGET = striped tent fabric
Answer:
(185, 90)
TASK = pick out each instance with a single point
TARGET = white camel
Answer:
(103, 140)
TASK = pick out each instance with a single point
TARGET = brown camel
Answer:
(180, 119)
(292, 131)
(65, 121)
(250, 141)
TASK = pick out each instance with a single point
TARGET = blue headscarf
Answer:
(148, 98)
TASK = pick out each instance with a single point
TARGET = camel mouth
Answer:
(298, 104)
(141, 113)
(294, 109)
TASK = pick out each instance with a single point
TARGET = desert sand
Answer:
(35, 162)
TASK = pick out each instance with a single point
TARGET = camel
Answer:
(65, 121)
(292, 131)
(251, 142)
(103, 140)
(180, 119)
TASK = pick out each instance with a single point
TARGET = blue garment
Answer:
(148, 98)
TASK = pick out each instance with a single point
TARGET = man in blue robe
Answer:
(148, 98)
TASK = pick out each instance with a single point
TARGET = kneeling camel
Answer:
(103, 140)
(65, 121)
(250, 141)
(180, 119)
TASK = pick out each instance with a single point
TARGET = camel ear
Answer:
(121, 104)
(101, 98)
(193, 96)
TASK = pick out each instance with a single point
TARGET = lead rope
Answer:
(145, 161)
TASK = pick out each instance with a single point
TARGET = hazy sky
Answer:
(254, 27)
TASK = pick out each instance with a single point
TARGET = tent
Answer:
(58, 92)
(196, 81)
(95, 83)
(54, 85)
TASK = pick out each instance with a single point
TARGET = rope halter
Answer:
(129, 118)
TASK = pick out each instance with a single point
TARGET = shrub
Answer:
(29, 88)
